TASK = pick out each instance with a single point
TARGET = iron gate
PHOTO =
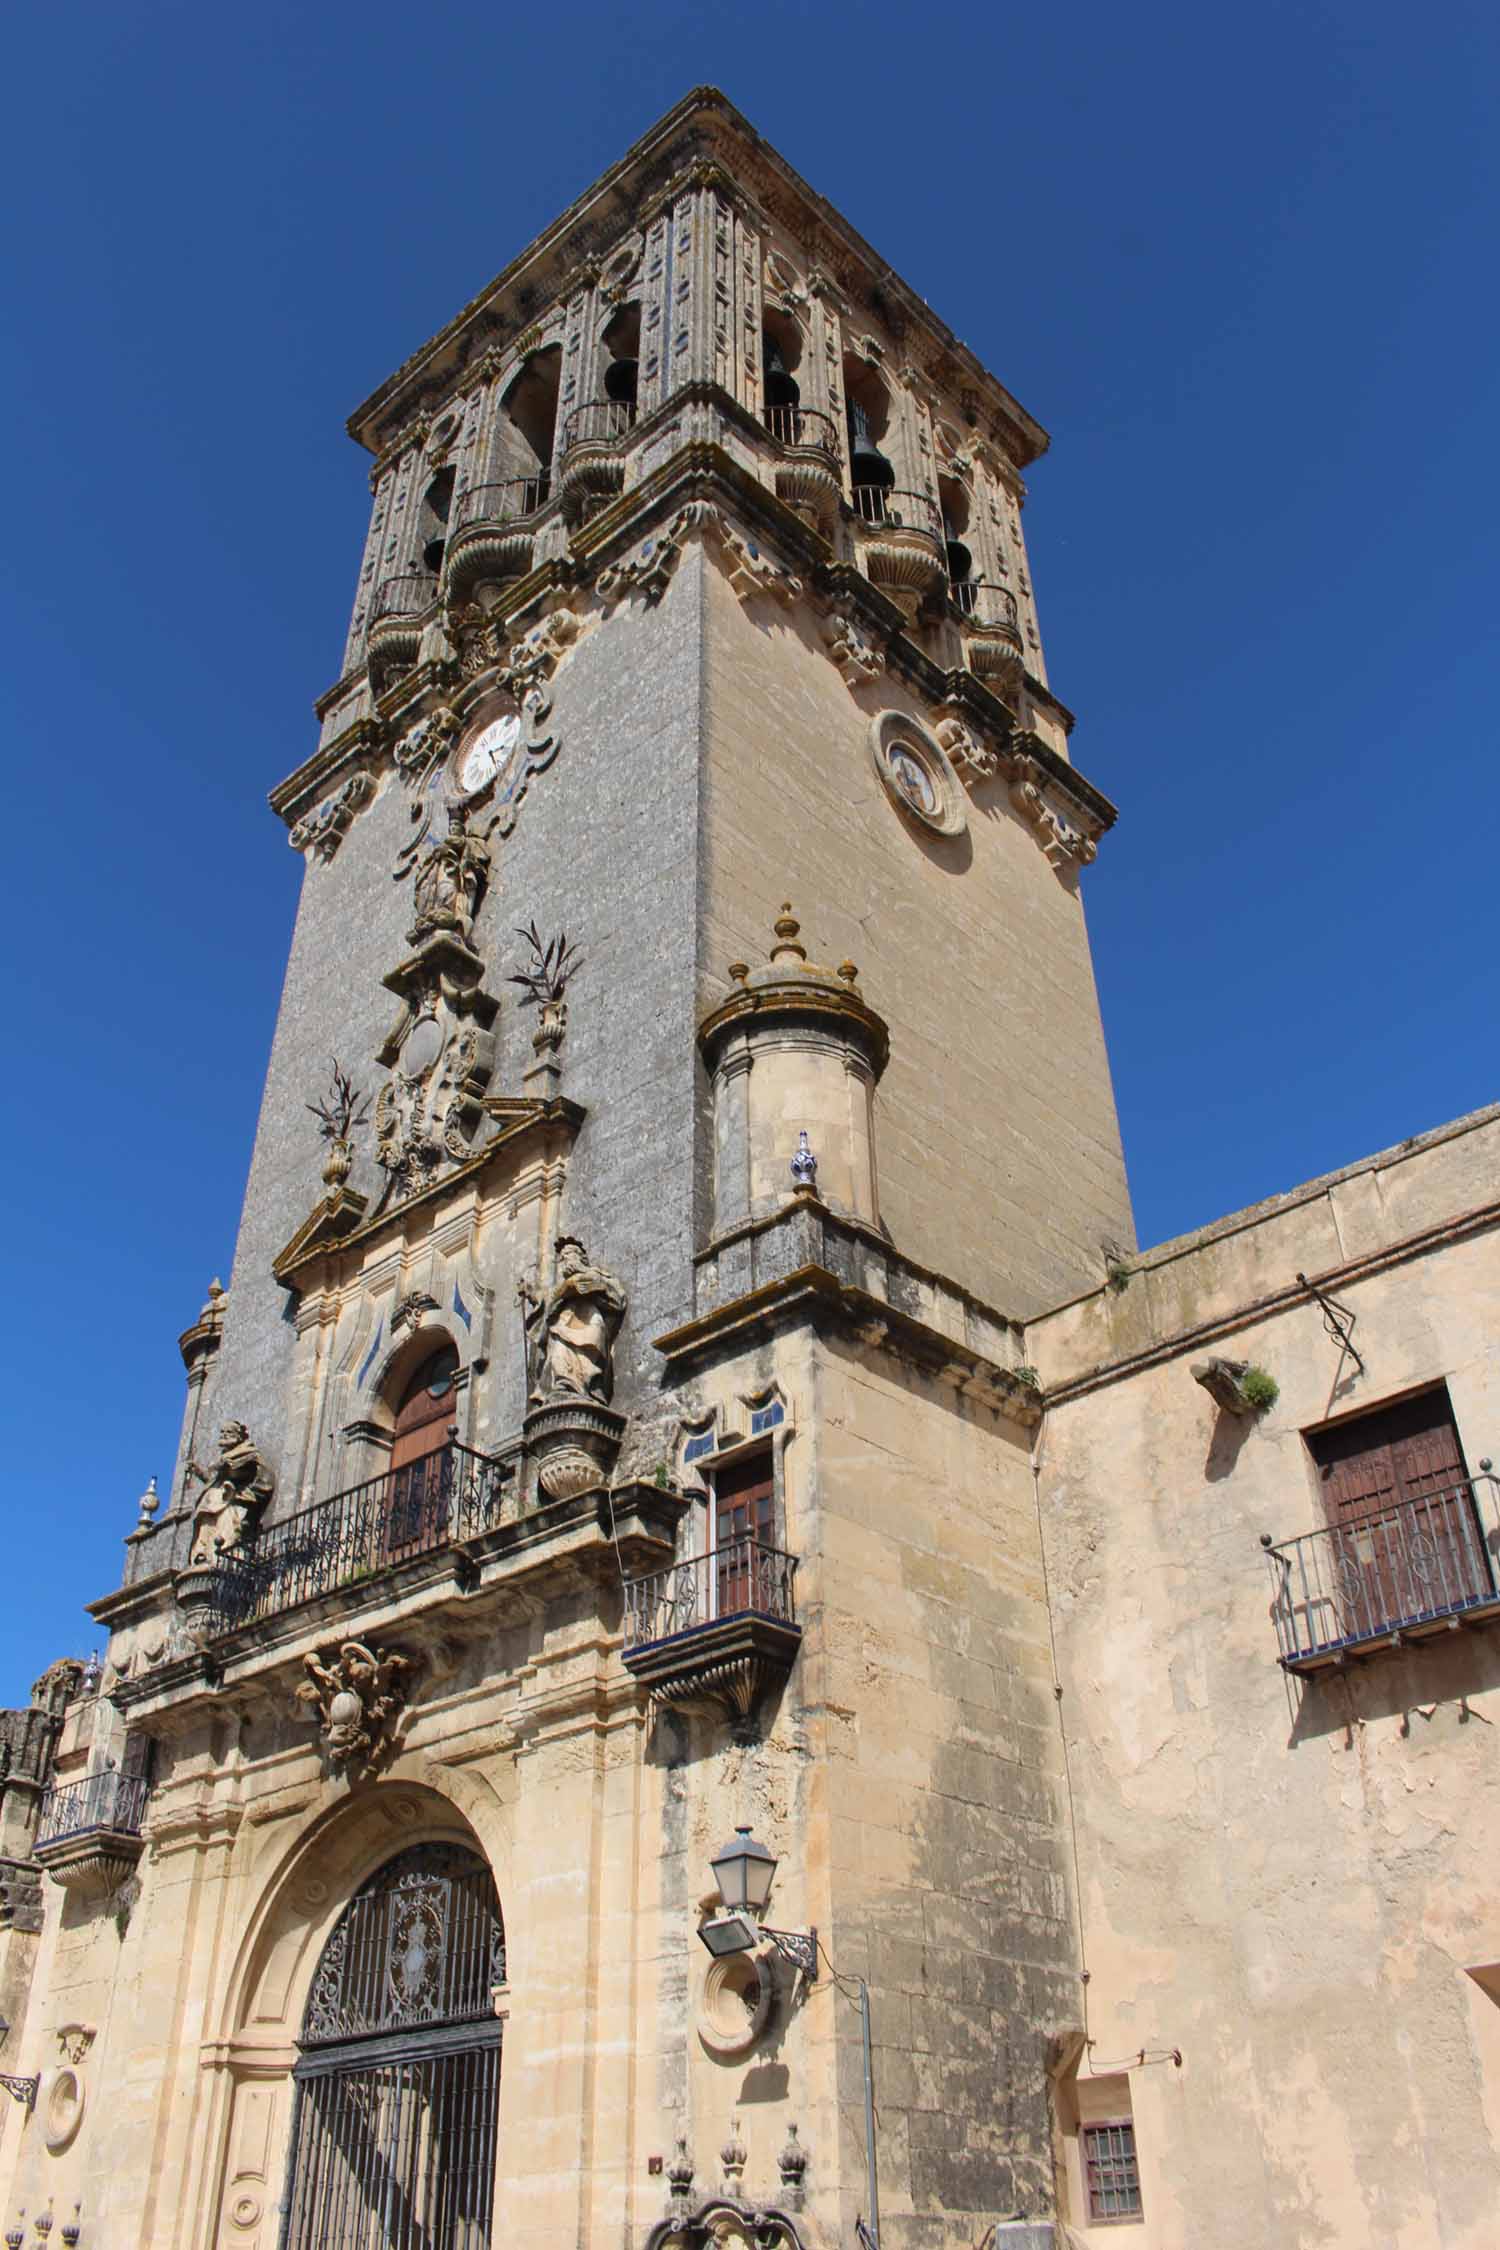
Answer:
(398, 2085)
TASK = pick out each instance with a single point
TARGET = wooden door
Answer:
(744, 1526)
(420, 1480)
(1395, 1489)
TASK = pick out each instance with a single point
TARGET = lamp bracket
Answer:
(800, 1947)
(24, 2090)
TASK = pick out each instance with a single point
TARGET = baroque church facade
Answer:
(725, 1660)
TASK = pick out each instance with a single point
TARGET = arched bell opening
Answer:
(622, 355)
(780, 357)
(953, 499)
(867, 408)
(395, 2109)
(437, 506)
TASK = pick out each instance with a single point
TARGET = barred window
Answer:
(1110, 2171)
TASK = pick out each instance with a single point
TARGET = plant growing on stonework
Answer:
(1028, 1376)
(1259, 1389)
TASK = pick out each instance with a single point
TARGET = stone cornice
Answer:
(805, 1267)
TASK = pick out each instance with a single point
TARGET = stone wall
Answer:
(998, 1151)
(1286, 1879)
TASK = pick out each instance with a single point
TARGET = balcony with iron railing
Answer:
(394, 633)
(807, 468)
(719, 1629)
(89, 1831)
(1400, 1573)
(990, 621)
(430, 1506)
(491, 536)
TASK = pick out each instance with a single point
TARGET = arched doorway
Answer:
(398, 2078)
(421, 1478)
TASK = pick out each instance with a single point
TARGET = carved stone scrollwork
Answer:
(648, 569)
(852, 651)
(973, 759)
(726, 2223)
(357, 1698)
(1061, 843)
(324, 829)
(749, 569)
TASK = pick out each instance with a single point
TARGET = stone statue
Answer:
(236, 1487)
(570, 1333)
(450, 880)
(357, 1699)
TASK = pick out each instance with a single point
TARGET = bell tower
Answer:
(624, 1430)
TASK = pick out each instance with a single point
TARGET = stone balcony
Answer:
(898, 537)
(394, 635)
(89, 1832)
(591, 459)
(402, 1553)
(715, 1632)
(492, 536)
(809, 474)
(991, 626)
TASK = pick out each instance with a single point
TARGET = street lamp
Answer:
(744, 1872)
(23, 2089)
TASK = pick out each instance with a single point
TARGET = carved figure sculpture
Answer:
(236, 1487)
(357, 1699)
(450, 880)
(570, 1333)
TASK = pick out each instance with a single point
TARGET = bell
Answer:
(619, 381)
(781, 387)
(960, 561)
(866, 464)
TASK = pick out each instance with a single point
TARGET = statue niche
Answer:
(236, 1488)
(570, 1330)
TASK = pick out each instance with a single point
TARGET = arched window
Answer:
(398, 2079)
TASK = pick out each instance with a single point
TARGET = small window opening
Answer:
(437, 503)
(1111, 2175)
(528, 422)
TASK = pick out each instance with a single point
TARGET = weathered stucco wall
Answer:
(997, 1097)
(1287, 1879)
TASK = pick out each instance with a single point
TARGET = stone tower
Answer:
(616, 1430)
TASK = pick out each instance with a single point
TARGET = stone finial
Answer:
(680, 2176)
(734, 2156)
(791, 2163)
(787, 927)
(738, 971)
(847, 972)
(804, 1166)
(15, 2235)
(150, 1501)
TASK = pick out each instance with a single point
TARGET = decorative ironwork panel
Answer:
(399, 2155)
(422, 1944)
(398, 2087)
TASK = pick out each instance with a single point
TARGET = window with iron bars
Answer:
(1111, 2175)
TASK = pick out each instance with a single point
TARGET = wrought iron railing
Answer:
(360, 1534)
(604, 419)
(802, 426)
(742, 1575)
(404, 597)
(907, 511)
(502, 503)
(984, 605)
(1399, 1568)
(110, 1800)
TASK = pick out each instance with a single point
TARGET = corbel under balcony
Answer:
(717, 1632)
(89, 1832)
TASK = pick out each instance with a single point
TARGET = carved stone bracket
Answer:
(648, 569)
(1061, 843)
(323, 830)
(856, 656)
(975, 760)
(749, 569)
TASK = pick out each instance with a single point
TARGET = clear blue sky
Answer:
(1241, 263)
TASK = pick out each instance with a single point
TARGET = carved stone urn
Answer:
(575, 1443)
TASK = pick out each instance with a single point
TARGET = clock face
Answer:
(488, 754)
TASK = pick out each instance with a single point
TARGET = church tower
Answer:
(611, 1454)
